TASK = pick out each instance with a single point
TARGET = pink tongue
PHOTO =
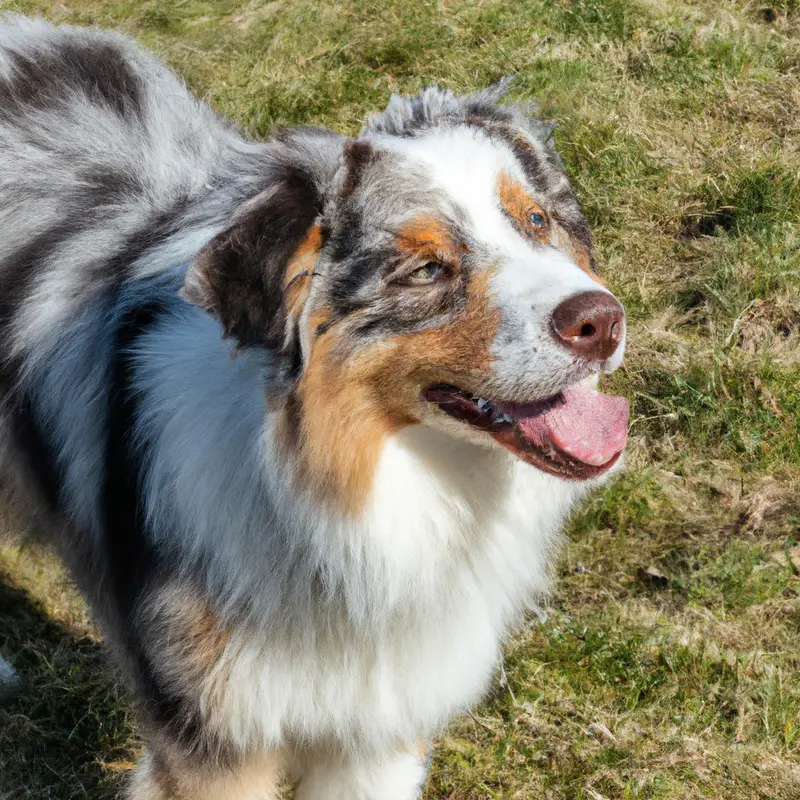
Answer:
(589, 425)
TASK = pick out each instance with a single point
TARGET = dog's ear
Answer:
(255, 276)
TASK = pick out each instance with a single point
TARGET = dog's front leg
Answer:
(399, 775)
(164, 774)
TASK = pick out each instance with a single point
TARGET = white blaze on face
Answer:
(465, 164)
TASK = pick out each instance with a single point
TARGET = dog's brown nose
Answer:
(590, 324)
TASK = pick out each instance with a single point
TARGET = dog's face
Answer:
(438, 272)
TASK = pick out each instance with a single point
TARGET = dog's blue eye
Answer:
(537, 219)
(427, 273)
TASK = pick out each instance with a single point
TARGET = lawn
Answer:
(669, 662)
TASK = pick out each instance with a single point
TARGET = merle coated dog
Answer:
(304, 416)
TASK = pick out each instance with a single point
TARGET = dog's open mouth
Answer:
(578, 433)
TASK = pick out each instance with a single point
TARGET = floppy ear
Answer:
(255, 276)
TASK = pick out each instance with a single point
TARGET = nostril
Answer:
(590, 324)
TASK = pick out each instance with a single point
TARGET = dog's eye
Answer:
(537, 220)
(428, 273)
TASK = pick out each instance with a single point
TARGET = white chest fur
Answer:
(454, 542)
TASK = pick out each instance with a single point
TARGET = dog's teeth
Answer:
(500, 416)
(484, 405)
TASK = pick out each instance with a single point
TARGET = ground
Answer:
(669, 663)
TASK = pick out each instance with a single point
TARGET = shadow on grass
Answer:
(67, 732)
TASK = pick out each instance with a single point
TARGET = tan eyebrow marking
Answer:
(427, 237)
(519, 206)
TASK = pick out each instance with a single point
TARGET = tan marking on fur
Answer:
(519, 205)
(422, 750)
(577, 251)
(342, 428)
(297, 278)
(426, 238)
(345, 410)
(169, 775)
(419, 749)
(186, 643)
(319, 316)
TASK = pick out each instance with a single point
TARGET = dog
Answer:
(304, 417)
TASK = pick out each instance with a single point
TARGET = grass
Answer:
(669, 664)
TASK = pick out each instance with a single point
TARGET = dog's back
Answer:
(110, 175)
(111, 179)
(98, 143)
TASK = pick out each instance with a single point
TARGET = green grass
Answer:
(668, 666)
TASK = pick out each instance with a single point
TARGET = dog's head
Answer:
(436, 271)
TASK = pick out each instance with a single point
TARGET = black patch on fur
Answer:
(134, 565)
(294, 364)
(535, 171)
(497, 123)
(131, 558)
(242, 269)
(18, 272)
(396, 312)
(53, 75)
(18, 269)
(358, 156)
(36, 451)
(159, 229)
(348, 279)
(391, 325)
(102, 186)
(576, 226)
(346, 239)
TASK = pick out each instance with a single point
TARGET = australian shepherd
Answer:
(304, 417)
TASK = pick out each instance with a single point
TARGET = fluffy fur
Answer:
(212, 352)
